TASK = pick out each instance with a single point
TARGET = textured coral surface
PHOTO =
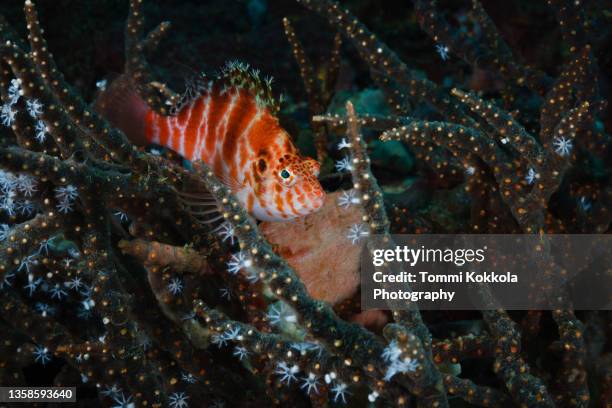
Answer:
(317, 248)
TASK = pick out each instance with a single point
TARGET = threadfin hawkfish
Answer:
(230, 125)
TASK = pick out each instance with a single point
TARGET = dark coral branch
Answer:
(306, 70)
(475, 394)
(151, 42)
(495, 54)
(154, 253)
(510, 366)
(508, 129)
(316, 102)
(374, 122)
(25, 236)
(363, 179)
(470, 346)
(382, 59)
(136, 65)
(113, 139)
(573, 376)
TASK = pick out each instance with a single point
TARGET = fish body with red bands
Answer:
(236, 136)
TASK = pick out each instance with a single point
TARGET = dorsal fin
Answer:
(195, 86)
(240, 75)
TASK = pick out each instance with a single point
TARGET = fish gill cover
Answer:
(142, 279)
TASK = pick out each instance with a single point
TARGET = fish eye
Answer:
(287, 178)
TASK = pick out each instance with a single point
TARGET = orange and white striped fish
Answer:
(232, 128)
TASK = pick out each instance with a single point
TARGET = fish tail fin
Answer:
(124, 109)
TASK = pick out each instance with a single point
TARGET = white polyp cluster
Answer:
(66, 195)
(281, 313)
(286, 373)
(357, 232)
(344, 165)
(563, 146)
(348, 198)
(531, 176)
(310, 383)
(392, 355)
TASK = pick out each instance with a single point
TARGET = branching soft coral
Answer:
(104, 269)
